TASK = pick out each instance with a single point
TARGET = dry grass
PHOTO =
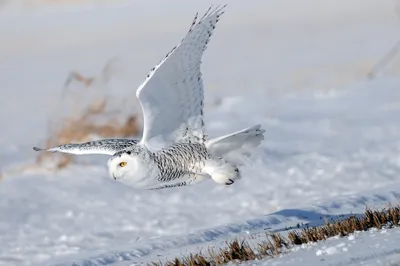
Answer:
(82, 125)
(377, 219)
(191, 260)
(87, 81)
(104, 75)
(81, 130)
(236, 251)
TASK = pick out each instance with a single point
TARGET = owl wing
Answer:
(172, 95)
(105, 146)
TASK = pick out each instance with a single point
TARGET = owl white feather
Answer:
(172, 99)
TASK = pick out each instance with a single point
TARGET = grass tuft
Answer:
(235, 251)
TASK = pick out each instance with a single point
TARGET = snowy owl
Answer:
(174, 149)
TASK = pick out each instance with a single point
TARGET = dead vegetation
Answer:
(387, 58)
(85, 114)
(82, 130)
(104, 76)
(377, 219)
(275, 244)
(235, 251)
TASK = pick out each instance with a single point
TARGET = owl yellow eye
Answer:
(122, 164)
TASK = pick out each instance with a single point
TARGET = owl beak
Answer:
(115, 178)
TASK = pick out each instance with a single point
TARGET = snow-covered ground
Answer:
(297, 67)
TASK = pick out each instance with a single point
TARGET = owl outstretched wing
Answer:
(172, 95)
(104, 146)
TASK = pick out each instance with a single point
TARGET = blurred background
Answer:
(268, 46)
(310, 71)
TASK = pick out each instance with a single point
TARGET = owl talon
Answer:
(230, 182)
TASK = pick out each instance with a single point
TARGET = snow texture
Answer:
(331, 142)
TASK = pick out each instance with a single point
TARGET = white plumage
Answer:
(172, 98)
(172, 94)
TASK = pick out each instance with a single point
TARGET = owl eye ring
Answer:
(122, 164)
